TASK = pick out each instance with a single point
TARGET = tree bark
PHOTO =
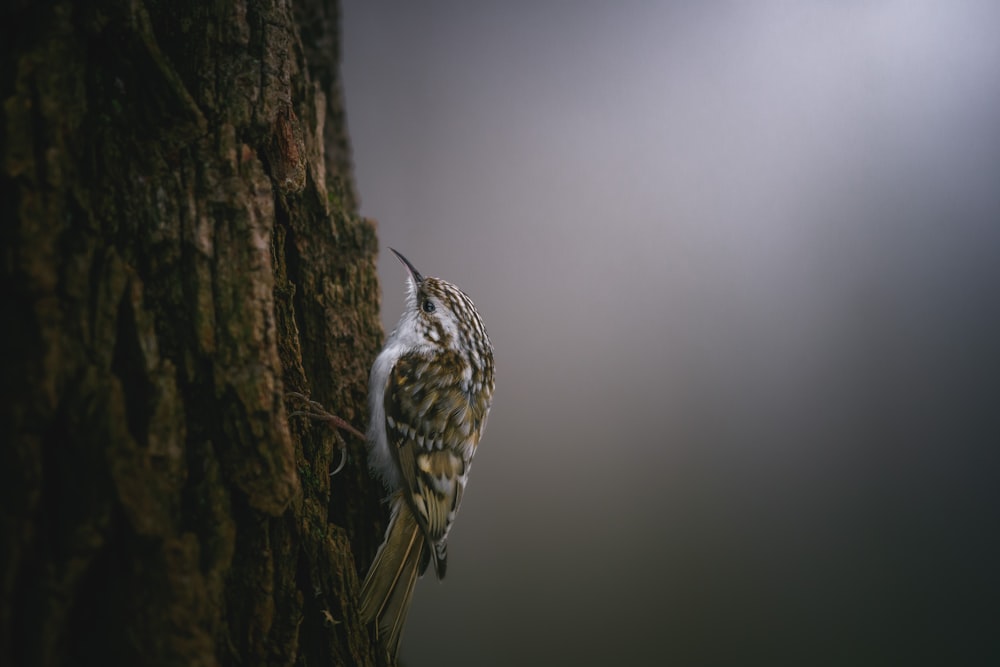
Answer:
(181, 248)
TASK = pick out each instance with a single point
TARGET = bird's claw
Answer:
(314, 410)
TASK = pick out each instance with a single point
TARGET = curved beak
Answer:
(417, 278)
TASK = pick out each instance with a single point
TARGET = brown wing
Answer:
(432, 428)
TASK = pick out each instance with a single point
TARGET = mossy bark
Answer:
(181, 248)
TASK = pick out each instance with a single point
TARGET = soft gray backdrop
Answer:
(741, 266)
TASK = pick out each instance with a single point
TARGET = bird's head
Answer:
(439, 315)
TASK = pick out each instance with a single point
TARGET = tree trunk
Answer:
(181, 248)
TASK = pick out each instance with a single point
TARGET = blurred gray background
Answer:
(741, 266)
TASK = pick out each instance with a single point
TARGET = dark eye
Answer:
(428, 306)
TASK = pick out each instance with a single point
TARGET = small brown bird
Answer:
(429, 392)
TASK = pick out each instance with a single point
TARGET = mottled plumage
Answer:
(430, 392)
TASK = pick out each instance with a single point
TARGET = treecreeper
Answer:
(429, 393)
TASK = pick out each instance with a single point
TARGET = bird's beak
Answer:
(417, 278)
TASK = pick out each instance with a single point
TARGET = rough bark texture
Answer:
(180, 248)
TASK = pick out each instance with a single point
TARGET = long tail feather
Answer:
(388, 587)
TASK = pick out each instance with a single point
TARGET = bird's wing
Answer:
(432, 428)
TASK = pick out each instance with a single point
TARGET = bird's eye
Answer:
(428, 306)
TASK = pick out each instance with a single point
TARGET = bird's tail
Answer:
(388, 587)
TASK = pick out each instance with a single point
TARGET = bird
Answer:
(430, 392)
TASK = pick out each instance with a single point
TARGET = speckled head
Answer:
(442, 315)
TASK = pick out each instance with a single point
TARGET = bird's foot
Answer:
(315, 411)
